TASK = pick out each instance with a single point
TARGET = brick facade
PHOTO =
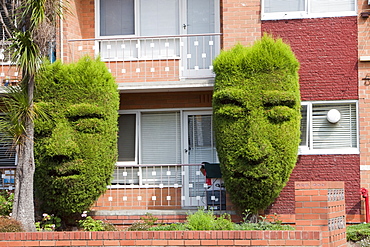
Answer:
(327, 51)
(323, 167)
(364, 95)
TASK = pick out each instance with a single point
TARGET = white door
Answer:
(202, 17)
(199, 147)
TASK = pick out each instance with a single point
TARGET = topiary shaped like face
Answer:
(256, 104)
(76, 147)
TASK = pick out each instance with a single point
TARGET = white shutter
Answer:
(7, 151)
(159, 17)
(271, 6)
(320, 6)
(160, 138)
(160, 144)
(333, 136)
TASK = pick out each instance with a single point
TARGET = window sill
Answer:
(304, 15)
(329, 151)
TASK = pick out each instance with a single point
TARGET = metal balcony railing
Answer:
(144, 187)
(152, 58)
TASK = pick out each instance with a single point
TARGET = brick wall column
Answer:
(320, 206)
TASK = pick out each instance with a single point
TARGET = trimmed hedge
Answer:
(256, 106)
(76, 146)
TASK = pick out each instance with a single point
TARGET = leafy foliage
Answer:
(89, 224)
(207, 221)
(145, 224)
(6, 202)
(48, 223)
(8, 224)
(256, 106)
(76, 146)
(358, 232)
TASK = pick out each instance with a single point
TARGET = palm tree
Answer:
(25, 21)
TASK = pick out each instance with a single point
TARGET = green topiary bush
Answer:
(256, 106)
(76, 145)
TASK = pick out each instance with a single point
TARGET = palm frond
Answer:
(25, 52)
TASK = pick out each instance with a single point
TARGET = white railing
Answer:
(152, 58)
(160, 187)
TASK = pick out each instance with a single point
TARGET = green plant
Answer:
(202, 220)
(76, 146)
(263, 223)
(8, 224)
(6, 202)
(92, 225)
(145, 224)
(256, 114)
(48, 223)
(358, 232)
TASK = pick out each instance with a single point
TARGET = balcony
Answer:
(160, 187)
(152, 58)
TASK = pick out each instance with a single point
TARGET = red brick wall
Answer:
(240, 22)
(327, 168)
(169, 238)
(364, 94)
(327, 51)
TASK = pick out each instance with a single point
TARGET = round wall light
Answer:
(333, 116)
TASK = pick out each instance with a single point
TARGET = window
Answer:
(7, 153)
(140, 17)
(293, 9)
(120, 18)
(157, 140)
(320, 136)
(152, 145)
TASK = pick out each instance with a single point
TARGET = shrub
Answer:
(89, 224)
(147, 222)
(358, 232)
(202, 220)
(256, 109)
(8, 224)
(76, 145)
(6, 202)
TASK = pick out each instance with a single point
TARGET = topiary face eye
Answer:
(89, 125)
(230, 103)
(279, 105)
(86, 118)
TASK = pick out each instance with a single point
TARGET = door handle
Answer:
(185, 26)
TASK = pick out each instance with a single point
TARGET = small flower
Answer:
(44, 215)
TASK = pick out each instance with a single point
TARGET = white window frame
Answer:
(137, 162)
(136, 42)
(303, 14)
(308, 150)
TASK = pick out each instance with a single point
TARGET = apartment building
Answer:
(161, 52)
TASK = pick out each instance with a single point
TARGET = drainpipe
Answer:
(365, 194)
